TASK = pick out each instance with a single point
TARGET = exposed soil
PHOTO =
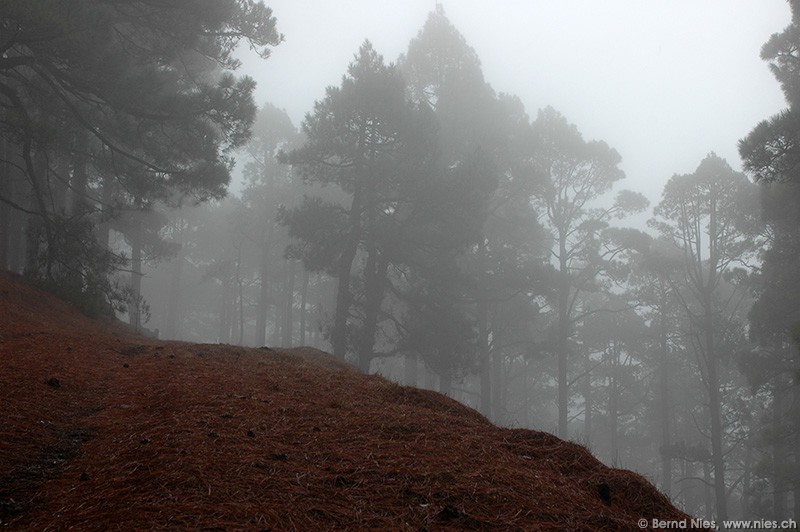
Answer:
(102, 429)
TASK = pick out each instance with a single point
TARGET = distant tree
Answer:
(706, 215)
(577, 174)
(650, 284)
(109, 107)
(771, 153)
(366, 138)
(270, 187)
(484, 136)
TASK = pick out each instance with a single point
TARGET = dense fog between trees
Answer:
(420, 225)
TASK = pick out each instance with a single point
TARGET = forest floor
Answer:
(102, 429)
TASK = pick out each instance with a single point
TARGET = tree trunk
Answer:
(411, 374)
(263, 292)
(303, 305)
(36, 225)
(240, 298)
(664, 402)
(6, 192)
(224, 310)
(563, 347)
(613, 405)
(343, 296)
(499, 387)
(134, 317)
(708, 491)
(779, 454)
(445, 383)
(172, 323)
(104, 228)
(288, 306)
(374, 283)
(746, 485)
(484, 354)
(588, 401)
(715, 411)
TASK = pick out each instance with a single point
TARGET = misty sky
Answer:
(663, 82)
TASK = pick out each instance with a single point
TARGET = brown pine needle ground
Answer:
(105, 430)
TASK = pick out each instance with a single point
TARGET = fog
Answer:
(558, 213)
(664, 83)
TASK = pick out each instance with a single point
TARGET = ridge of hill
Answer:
(104, 429)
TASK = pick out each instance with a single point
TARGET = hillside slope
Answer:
(103, 429)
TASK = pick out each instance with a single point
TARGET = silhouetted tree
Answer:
(123, 105)
(487, 138)
(366, 138)
(577, 174)
(771, 152)
(704, 215)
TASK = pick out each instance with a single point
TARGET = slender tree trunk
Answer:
(104, 228)
(588, 401)
(79, 203)
(664, 401)
(288, 306)
(172, 323)
(708, 490)
(224, 310)
(6, 192)
(263, 292)
(410, 374)
(563, 343)
(484, 354)
(343, 296)
(690, 499)
(240, 297)
(796, 416)
(136, 270)
(613, 405)
(715, 411)
(779, 454)
(445, 383)
(36, 167)
(499, 387)
(303, 305)
(375, 276)
(746, 482)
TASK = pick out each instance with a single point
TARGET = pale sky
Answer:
(664, 82)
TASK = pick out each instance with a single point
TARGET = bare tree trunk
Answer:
(36, 225)
(613, 405)
(303, 305)
(287, 332)
(445, 383)
(484, 354)
(104, 228)
(708, 490)
(343, 296)
(240, 296)
(172, 324)
(6, 192)
(263, 292)
(562, 347)
(779, 454)
(224, 311)
(746, 485)
(664, 403)
(715, 412)
(136, 270)
(588, 402)
(410, 375)
(375, 273)
(499, 387)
